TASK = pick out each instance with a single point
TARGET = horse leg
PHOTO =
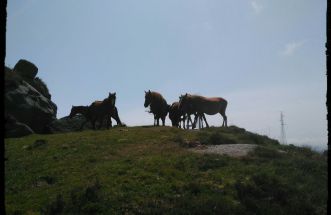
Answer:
(158, 120)
(195, 121)
(109, 123)
(225, 119)
(204, 118)
(154, 120)
(116, 117)
(163, 121)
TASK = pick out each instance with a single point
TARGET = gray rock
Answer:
(16, 129)
(26, 69)
(66, 124)
(30, 107)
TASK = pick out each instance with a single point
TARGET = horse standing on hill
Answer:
(84, 110)
(99, 110)
(187, 115)
(158, 106)
(201, 105)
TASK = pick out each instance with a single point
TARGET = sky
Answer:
(262, 56)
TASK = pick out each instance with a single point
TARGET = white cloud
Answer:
(256, 6)
(291, 48)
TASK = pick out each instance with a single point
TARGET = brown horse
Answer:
(158, 106)
(175, 114)
(203, 105)
(99, 110)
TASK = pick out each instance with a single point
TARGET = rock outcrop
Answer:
(15, 128)
(27, 99)
(66, 124)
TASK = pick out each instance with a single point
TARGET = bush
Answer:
(266, 193)
(214, 138)
(267, 153)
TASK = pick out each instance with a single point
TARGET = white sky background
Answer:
(262, 56)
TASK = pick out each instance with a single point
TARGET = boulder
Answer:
(66, 124)
(26, 69)
(13, 128)
(30, 107)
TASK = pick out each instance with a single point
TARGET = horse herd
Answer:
(179, 112)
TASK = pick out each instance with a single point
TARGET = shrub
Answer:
(214, 138)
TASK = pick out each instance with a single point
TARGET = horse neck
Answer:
(107, 103)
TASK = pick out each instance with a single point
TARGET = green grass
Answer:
(144, 170)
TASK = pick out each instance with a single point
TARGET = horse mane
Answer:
(155, 96)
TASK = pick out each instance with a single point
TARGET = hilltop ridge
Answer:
(151, 170)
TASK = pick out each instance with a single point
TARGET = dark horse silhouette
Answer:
(83, 110)
(201, 105)
(175, 114)
(98, 110)
(158, 106)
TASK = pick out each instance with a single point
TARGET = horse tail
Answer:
(225, 104)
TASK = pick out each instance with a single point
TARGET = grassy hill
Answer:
(147, 170)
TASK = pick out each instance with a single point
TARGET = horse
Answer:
(83, 110)
(204, 105)
(158, 106)
(98, 110)
(175, 115)
(112, 114)
(187, 115)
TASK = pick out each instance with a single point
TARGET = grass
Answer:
(144, 170)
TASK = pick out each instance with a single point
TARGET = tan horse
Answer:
(99, 110)
(158, 106)
(201, 105)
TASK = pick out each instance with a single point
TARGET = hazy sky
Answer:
(263, 56)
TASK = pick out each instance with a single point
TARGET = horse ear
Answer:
(149, 91)
(115, 94)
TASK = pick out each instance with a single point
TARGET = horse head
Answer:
(183, 102)
(112, 98)
(148, 98)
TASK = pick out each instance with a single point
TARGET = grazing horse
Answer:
(158, 106)
(203, 105)
(175, 114)
(83, 110)
(99, 110)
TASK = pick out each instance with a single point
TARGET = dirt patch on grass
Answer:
(232, 150)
